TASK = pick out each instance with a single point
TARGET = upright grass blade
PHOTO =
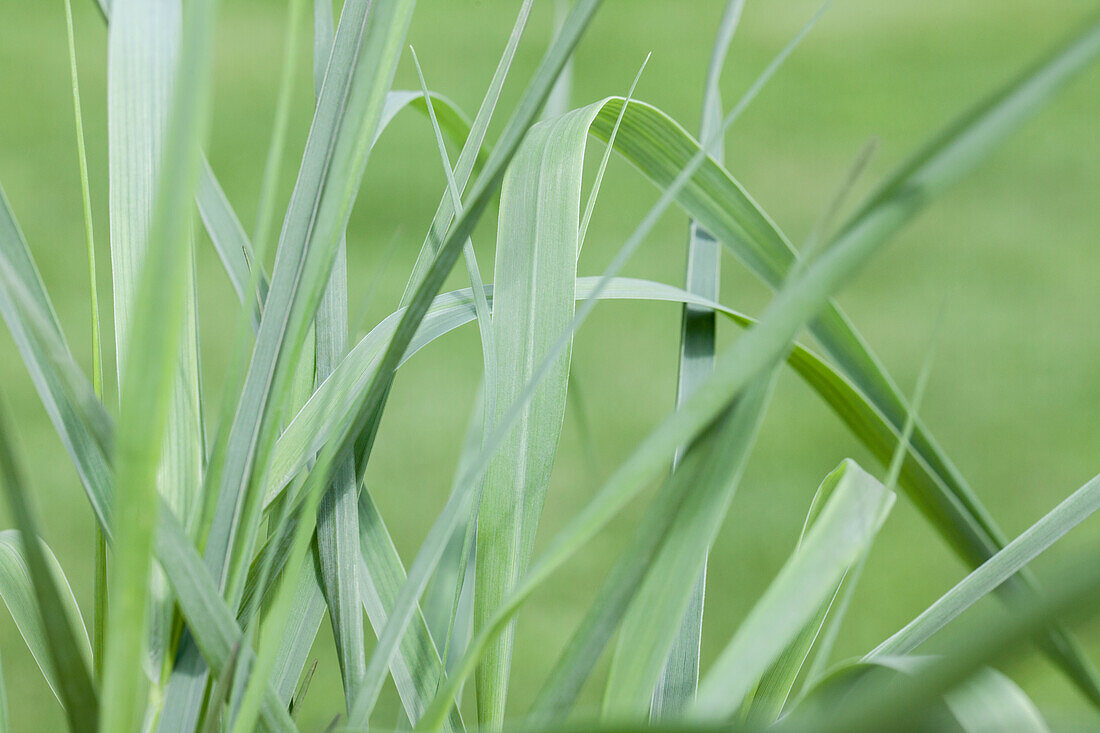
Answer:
(650, 627)
(99, 583)
(18, 593)
(680, 675)
(143, 43)
(848, 522)
(471, 151)
(536, 266)
(359, 74)
(337, 534)
(158, 377)
(68, 658)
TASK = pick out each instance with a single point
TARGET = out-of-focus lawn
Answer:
(1012, 256)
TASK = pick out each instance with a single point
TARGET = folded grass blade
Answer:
(17, 592)
(69, 658)
(847, 525)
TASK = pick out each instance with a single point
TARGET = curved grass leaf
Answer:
(17, 592)
(848, 522)
(63, 633)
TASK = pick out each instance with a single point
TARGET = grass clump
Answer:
(230, 531)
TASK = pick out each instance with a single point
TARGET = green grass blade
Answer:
(346, 118)
(471, 151)
(847, 525)
(160, 441)
(680, 676)
(995, 571)
(17, 592)
(711, 467)
(337, 519)
(68, 657)
(142, 49)
(99, 588)
(535, 273)
(652, 624)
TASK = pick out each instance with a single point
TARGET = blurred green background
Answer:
(1011, 256)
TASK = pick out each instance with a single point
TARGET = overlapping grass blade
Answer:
(712, 465)
(157, 112)
(69, 658)
(534, 278)
(86, 431)
(369, 406)
(359, 74)
(470, 154)
(337, 533)
(17, 592)
(848, 522)
(680, 675)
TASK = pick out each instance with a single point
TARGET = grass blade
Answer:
(347, 115)
(847, 525)
(337, 531)
(995, 571)
(69, 659)
(535, 273)
(680, 676)
(99, 588)
(18, 593)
